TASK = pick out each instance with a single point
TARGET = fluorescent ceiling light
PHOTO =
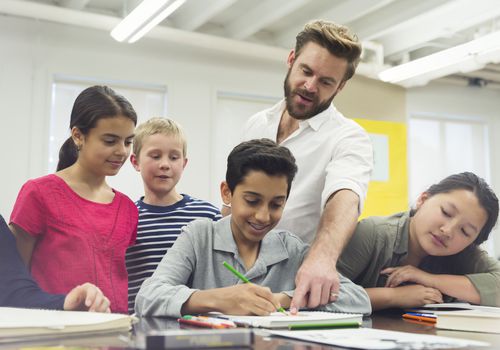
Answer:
(143, 18)
(467, 57)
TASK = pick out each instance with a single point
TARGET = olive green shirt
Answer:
(381, 242)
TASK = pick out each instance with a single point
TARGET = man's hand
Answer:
(86, 297)
(317, 282)
(408, 273)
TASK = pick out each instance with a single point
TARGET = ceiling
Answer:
(392, 31)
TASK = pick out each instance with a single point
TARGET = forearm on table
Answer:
(456, 286)
(383, 298)
(202, 301)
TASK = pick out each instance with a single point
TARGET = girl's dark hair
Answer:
(260, 155)
(485, 195)
(460, 263)
(94, 103)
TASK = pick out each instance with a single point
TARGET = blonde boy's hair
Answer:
(155, 126)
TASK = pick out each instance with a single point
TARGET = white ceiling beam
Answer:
(106, 23)
(462, 81)
(493, 67)
(343, 13)
(58, 14)
(350, 10)
(263, 14)
(193, 14)
(74, 4)
(443, 21)
(385, 20)
(483, 74)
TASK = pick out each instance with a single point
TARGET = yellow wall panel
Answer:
(389, 195)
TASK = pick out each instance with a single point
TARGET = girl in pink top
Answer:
(71, 227)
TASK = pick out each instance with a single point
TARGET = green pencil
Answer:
(235, 272)
(306, 326)
(245, 280)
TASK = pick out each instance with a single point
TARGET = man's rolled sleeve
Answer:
(350, 168)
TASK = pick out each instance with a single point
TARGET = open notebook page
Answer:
(280, 320)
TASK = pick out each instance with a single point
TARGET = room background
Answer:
(34, 53)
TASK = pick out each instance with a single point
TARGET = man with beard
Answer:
(333, 154)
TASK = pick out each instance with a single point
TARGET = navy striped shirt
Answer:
(158, 228)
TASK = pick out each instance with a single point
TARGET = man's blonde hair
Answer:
(155, 126)
(337, 39)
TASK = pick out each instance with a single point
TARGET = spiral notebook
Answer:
(306, 318)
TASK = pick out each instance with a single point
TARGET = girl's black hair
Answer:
(485, 195)
(461, 262)
(94, 103)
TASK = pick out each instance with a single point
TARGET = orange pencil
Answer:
(421, 317)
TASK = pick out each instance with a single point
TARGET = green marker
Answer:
(245, 280)
(236, 273)
(306, 326)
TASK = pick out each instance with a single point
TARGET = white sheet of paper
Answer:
(377, 339)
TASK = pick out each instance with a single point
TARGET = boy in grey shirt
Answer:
(191, 278)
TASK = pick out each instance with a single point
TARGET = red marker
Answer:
(207, 322)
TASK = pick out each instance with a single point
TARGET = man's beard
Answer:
(301, 112)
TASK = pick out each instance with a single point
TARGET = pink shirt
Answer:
(78, 240)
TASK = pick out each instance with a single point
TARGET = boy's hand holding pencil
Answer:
(273, 298)
(248, 299)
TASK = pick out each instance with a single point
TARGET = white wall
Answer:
(32, 52)
(470, 102)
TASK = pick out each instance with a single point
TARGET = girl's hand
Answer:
(86, 297)
(408, 273)
(416, 295)
(247, 299)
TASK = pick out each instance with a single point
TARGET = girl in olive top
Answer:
(430, 254)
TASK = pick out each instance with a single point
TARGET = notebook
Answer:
(470, 321)
(16, 322)
(280, 320)
(447, 307)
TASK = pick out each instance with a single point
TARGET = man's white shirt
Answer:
(332, 153)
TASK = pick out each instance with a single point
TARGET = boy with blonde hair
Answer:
(159, 154)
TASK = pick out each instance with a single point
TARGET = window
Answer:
(232, 112)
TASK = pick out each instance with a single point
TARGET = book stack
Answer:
(470, 321)
(20, 324)
(464, 317)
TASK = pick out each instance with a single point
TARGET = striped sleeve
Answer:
(157, 231)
